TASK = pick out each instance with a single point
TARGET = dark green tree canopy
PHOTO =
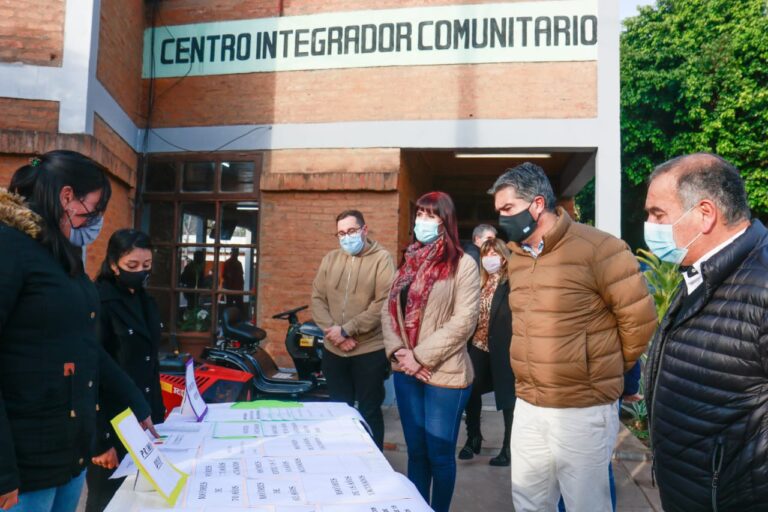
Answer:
(694, 77)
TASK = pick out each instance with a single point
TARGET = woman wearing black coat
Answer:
(489, 351)
(51, 365)
(129, 331)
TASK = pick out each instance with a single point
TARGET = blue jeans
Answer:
(430, 416)
(63, 498)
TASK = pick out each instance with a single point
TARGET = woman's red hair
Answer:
(441, 204)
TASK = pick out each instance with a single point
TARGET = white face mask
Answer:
(491, 263)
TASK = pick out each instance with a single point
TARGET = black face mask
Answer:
(519, 226)
(133, 280)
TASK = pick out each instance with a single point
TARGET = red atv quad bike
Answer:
(216, 383)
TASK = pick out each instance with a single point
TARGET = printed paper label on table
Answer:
(161, 473)
(193, 404)
(289, 466)
(348, 487)
(414, 505)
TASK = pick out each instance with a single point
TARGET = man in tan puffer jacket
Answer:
(581, 316)
(349, 291)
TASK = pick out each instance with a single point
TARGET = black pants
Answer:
(100, 488)
(359, 379)
(483, 383)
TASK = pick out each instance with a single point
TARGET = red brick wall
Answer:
(121, 32)
(16, 114)
(296, 7)
(388, 93)
(8, 165)
(32, 31)
(129, 160)
(296, 232)
(192, 11)
(119, 215)
(415, 179)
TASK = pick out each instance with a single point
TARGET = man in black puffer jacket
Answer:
(707, 371)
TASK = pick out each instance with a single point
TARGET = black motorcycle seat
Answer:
(244, 332)
(260, 365)
(173, 364)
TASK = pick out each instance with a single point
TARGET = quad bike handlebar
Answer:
(290, 315)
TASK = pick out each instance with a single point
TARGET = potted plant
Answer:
(663, 279)
(194, 331)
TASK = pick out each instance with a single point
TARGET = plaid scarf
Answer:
(421, 269)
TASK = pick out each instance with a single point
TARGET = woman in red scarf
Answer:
(432, 311)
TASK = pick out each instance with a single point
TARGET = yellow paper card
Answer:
(166, 478)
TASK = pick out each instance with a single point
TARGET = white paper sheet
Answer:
(290, 466)
(307, 427)
(221, 468)
(317, 444)
(216, 492)
(381, 506)
(236, 430)
(348, 487)
(274, 491)
(175, 441)
(231, 448)
(308, 411)
(229, 509)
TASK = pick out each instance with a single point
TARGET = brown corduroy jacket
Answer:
(581, 316)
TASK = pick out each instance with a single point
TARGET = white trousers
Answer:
(562, 451)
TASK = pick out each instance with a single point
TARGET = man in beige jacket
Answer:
(348, 294)
(581, 317)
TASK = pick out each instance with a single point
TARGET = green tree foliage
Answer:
(694, 77)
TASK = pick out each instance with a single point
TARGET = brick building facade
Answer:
(263, 161)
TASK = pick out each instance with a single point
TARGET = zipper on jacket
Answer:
(346, 290)
(717, 466)
(656, 375)
(346, 297)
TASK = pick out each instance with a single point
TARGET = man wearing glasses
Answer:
(348, 293)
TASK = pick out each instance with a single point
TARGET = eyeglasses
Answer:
(349, 232)
(91, 216)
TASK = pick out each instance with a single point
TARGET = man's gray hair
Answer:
(707, 176)
(529, 181)
(482, 228)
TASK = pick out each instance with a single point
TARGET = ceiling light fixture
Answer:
(457, 154)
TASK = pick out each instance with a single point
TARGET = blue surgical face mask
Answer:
(352, 244)
(85, 234)
(660, 239)
(426, 231)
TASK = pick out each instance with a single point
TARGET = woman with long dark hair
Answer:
(489, 351)
(51, 365)
(431, 312)
(129, 330)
